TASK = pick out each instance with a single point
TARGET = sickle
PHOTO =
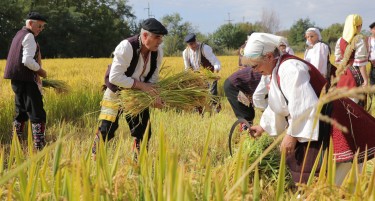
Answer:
(232, 129)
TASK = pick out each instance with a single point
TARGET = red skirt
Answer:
(360, 135)
(347, 80)
(361, 131)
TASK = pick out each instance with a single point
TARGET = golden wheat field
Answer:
(187, 158)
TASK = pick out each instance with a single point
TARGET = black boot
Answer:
(38, 135)
(18, 128)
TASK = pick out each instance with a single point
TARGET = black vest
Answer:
(203, 61)
(14, 68)
(134, 41)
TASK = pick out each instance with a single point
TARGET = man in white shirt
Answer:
(24, 70)
(135, 66)
(198, 54)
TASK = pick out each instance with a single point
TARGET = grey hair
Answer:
(28, 20)
(145, 31)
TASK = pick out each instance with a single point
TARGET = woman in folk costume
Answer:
(353, 45)
(292, 103)
(317, 53)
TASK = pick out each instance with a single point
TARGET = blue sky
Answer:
(207, 15)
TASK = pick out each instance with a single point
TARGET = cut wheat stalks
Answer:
(181, 91)
(58, 85)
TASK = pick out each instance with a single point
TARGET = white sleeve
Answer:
(323, 58)
(302, 100)
(272, 123)
(210, 56)
(361, 53)
(338, 56)
(319, 57)
(155, 77)
(28, 53)
(185, 56)
(123, 55)
(259, 97)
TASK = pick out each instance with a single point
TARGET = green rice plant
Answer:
(205, 148)
(281, 178)
(350, 180)
(256, 185)
(42, 174)
(2, 161)
(207, 182)
(57, 156)
(331, 172)
(238, 167)
(219, 187)
(269, 165)
(370, 192)
(314, 168)
(252, 166)
(162, 165)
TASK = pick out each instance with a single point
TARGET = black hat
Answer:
(190, 38)
(154, 26)
(372, 25)
(36, 16)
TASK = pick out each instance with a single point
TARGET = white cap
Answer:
(261, 43)
(312, 29)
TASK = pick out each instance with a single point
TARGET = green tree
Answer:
(177, 30)
(83, 28)
(12, 17)
(332, 33)
(230, 36)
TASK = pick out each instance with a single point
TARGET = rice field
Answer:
(187, 158)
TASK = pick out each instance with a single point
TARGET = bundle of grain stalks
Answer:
(58, 85)
(181, 91)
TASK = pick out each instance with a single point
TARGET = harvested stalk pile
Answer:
(58, 85)
(181, 91)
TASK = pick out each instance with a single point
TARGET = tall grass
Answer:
(187, 157)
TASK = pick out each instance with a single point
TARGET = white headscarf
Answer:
(316, 31)
(260, 43)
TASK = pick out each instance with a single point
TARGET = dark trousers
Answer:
(239, 109)
(28, 102)
(213, 91)
(137, 126)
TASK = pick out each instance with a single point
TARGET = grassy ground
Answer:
(188, 157)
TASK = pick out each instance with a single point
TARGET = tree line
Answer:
(93, 28)
(75, 28)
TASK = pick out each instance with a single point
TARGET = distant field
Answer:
(188, 156)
